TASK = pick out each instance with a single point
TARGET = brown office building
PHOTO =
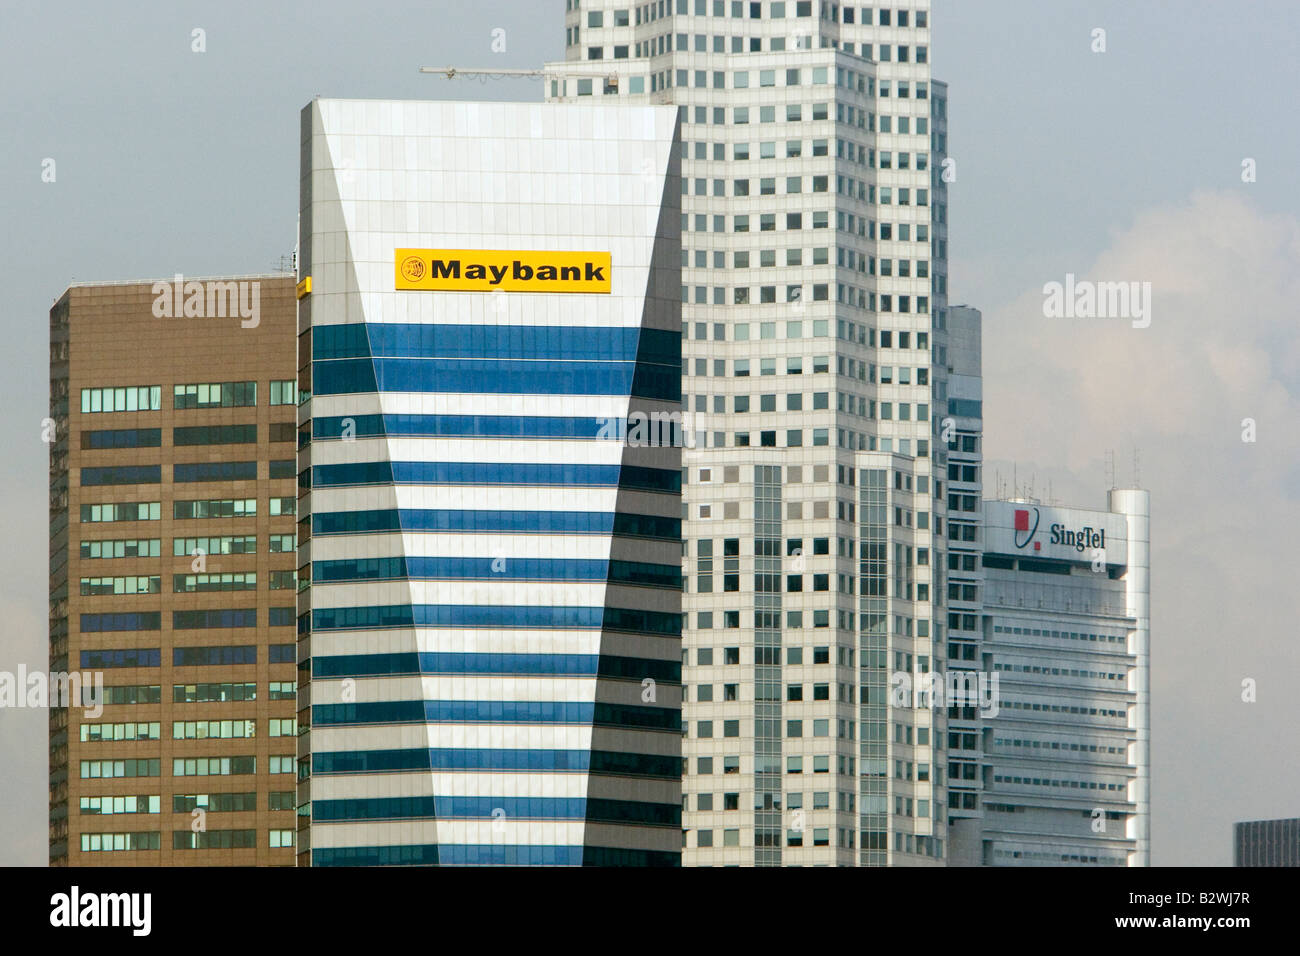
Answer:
(173, 410)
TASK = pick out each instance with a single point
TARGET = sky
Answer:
(1122, 165)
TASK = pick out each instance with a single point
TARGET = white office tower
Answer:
(815, 372)
(1067, 631)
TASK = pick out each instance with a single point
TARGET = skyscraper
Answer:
(815, 376)
(492, 626)
(172, 580)
(962, 436)
(1067, 634)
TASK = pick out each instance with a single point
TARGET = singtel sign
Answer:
(1026, 528)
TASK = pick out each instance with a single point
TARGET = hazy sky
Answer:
(1122, 165)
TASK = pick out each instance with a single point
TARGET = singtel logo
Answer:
(1025, 527)
(1086, 537)
(1022, 526)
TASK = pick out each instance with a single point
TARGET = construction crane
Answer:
(451, 72)
(502, 73)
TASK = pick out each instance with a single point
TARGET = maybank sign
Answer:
(491, 270)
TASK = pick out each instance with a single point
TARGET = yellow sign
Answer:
(304, 287)
(487, 270)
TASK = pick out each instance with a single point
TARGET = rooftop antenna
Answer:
(1110, 469)
(1137, 474)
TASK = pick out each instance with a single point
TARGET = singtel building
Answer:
(1066, 752)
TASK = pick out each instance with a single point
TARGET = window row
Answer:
(187, 472)
(210, 508)
(219, 654)
(127, 694)
(183, 840)
(231, 691)
(142, 398)
(755, 10)
(740, 368)
(113, 438)
(233, 581)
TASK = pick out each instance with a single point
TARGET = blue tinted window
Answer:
(128, 657)
(221, 654)
(122, 475)
(240, 617)
(138, 621)
(215, 471)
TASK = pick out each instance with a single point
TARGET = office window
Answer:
(284, 392)
(215, 395)
(139, 398)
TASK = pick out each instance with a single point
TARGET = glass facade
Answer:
(491, 616)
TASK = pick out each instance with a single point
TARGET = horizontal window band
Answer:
(656, 429)
(471, 758)
(497, 568)
(522, 665)
(460, 854)
(456, 426)
(122, 475)
(496, 711)
(508, 377)
(619, 524)
(425, 340)
(489, 616)
(487, 808)
(495, 473)
(432, 854)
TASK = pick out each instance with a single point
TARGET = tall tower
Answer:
(492, 623)
(815, 379)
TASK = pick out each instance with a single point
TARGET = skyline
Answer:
(1196, 243)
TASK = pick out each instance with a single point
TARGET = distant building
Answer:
(1266, 843)
(1066, 765)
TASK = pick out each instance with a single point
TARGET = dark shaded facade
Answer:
(1266, 843)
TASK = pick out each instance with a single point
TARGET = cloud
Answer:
(1223, 346)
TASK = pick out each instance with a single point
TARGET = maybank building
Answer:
(489, 617)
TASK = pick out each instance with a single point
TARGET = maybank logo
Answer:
(489, 270)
